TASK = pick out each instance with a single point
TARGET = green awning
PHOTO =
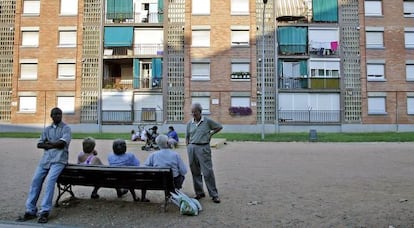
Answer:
(118, 36)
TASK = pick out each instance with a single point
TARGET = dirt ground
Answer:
(260, 184)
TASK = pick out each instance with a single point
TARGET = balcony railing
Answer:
(117, 83)
(309, 83)
(147, 83)
(240, 75)
(133, 83)
(324, 49)
(149, 49)
(137, 17)
(309, 116)
(144, 115)
(117, 117)
(299, 49)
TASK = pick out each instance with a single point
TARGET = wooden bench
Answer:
(127, 177)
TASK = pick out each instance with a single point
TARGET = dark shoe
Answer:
(216, 199)
(145, 200)
(121, 192)
(94, 196)
(199, 196)
(44, 217)
(25, 217)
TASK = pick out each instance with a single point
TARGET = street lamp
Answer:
(263, 71)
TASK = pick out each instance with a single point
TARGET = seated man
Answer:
(120, 157)
(167, 158)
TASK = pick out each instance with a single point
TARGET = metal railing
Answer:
(132, 83)
(117, 117)
(136, 17)
(309, 83)
(309, 116)
(149, 49)
(144, 115)
(293, 49)
(117, 83)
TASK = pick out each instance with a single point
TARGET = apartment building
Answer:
(387, 62)
(285, 64)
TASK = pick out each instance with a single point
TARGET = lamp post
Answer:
(263, 71)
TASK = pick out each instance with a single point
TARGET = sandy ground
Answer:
(260, 184)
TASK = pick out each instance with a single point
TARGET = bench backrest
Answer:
(118, 177)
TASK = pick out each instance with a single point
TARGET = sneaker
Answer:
(25, 217)
(216, 199)
(43, 218)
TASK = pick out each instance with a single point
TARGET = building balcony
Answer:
(133, 18)
(313, 83)
(149, 49)
(144, 83)
(324, 49)
(321, 117)
(136, 50)
(288, 49)
(144, 116)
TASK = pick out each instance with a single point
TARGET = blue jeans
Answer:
(38, 178)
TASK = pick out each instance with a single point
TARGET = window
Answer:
(240, 36)
(204, 102)
(240, 70)
(201, 38)
(373, 8)
(375, 72)
(408, 8)
(68, 7)
(410, 105)
(409, 72)
(325, 69)
(27, 104)
(409, 37)
(66, 70)
(376, 105)
(66, 103)
(201, 7)
(31, 7)
(240, 102)
(28, 71)
(239, 7)
(67, 38)
(200, 71)
(30, 36)
(375, 39)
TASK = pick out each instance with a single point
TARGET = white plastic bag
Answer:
(187, 205)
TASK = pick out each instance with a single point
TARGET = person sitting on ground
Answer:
(120, 157)
(172, 137)
(89, 157)
(167, 158)
(151, 135)
(135, 136)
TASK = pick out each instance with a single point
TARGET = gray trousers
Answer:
(201, 165)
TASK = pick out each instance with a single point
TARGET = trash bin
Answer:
(313, 136)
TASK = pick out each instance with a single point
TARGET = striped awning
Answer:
(291, 9)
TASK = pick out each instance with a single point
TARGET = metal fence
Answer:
(309, 116)
(145, 115)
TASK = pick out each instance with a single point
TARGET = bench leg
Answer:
(62, 188)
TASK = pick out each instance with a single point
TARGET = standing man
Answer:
(198, 135)
(55, 140)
